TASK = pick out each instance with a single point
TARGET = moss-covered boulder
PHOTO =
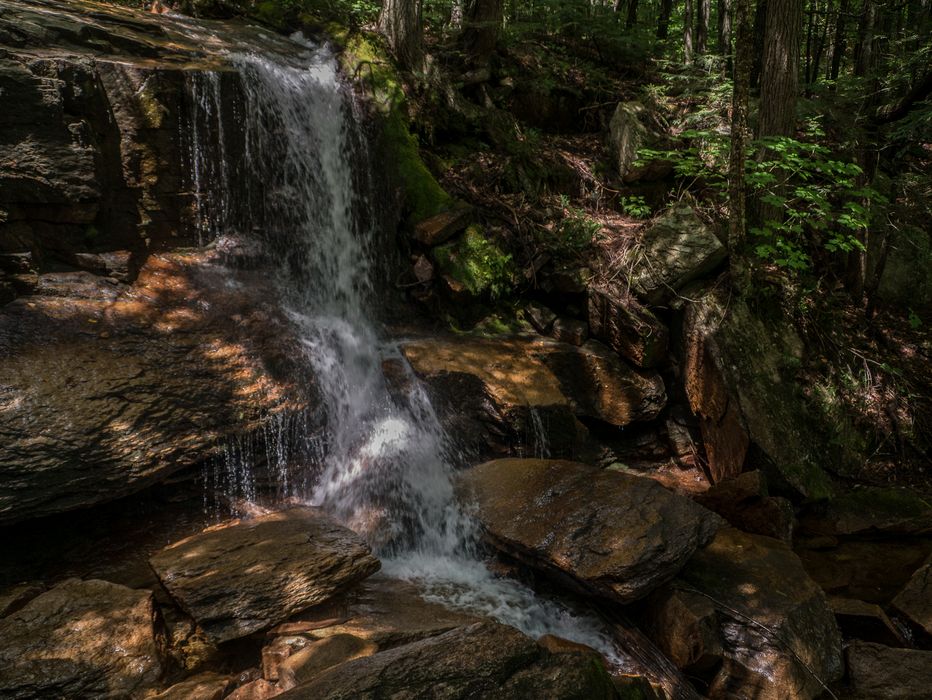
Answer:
(475, 264)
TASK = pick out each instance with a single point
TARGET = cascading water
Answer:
(385, 463)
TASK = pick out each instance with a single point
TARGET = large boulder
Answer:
(485, 659)
(914, 602)
(745, 600)
(738, 373)
(877, 672)
(509, 390)
(81, 639)
(676, 249)
(106, 389)
(626, 134)
(250, 575)
(606, 533)
(871, 510)
(621, 322)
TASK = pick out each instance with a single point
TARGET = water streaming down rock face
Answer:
(384, 466)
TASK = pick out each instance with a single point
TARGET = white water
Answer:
(385, 462)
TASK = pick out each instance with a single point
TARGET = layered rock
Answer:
(80, 639)
(621, 322)
(606, 533)
(250, 575)
(745, 600)
(105, 389)
(877, 672)
(485, 659)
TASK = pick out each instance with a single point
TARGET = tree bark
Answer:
(702, 25)
(724, 30)
(663, 19)
(838, 47)
(481, 26)
(760, 30)
(780, 68)
(737, 192)
(688, 32)
(632, 14)
(400, 23)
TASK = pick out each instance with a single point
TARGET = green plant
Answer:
(477, 263)
(635, 206)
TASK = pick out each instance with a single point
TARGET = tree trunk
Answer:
(702, 25)
(663, 19)
(820, 45)
(724, 31)
(688, 32)
(482, 23)
(632, 14)
(810, 31)
(838, 47)
(760, 30)
(863, 51)
(737, 194)
(400, 22)
(780, 68)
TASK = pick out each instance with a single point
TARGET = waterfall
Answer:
(385, 462)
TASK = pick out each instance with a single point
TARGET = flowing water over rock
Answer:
(383, 465)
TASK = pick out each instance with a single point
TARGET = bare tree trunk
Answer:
(482, 24)
(688, 32)
(632, 14)
(760, 30)
(810, 29)
(838, 46)
(663, 19)
(737, 193)
(724, 30)
(820, 46)
(702, 25)
(863, 51)
(400, 22)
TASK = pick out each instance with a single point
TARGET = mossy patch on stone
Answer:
(477, 263)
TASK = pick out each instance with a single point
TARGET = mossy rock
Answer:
(476, 263)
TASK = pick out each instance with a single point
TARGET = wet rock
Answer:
(570, 330)
(249, 575)
(485, 659)
(106, 389)
(80, 639)
(877, 672)
(622, 323)
(204, 686)
(915, 600)
(423, 269)
(540, 317)
(777, 633)
(259, 689)
(739, 381)
(610, 534)
(743, 501)
(320, 655)
(499, 391)
(15, 597)
(442, 227)
(678, 248)
(686, 628)
(117, 264)
(626, 135)
(865, 621)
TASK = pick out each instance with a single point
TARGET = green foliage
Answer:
(635, 206)
(477, 263)
(573, 236)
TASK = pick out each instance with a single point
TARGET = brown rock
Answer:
(485, 659)
(204, 686)
(442, 227)
(80, 639)
(779, 636)
(259, 689)
(249, 575)
(605, 533)
(540, 317)
(877, 672)
(744, 503)
(15, 597)
(281, 647)
(686, 627)
(618, 319)
(317, 657)
(915, 600)
(117, 264)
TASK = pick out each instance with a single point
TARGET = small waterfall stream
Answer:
(384, 460)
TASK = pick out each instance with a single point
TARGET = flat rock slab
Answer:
(249, 575)
(482, 660)
(81, 639)
(877, 672)
(608, 533)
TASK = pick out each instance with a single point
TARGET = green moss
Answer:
(893, 502)
(476, 263)
(366, 60)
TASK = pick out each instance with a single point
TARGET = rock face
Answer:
(769, 622)
(880, 673)
(488, 391)
(485, 659)
(441, 227)
(80, 639)
(105, 389)
(739, 384)
(675, 250)
(610, 534)
(744, 502)
(250, 575)
(626, 135)
(872, 510)
(621, 322)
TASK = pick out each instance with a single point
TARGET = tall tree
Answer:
(688, 32)
(400, 23)
(724, 30)
(737, 191)
(482, 23)
(838, 46)
(632, 14)
(704, 8)
(663, 18)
